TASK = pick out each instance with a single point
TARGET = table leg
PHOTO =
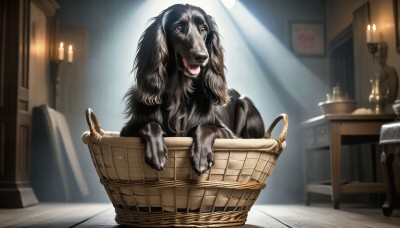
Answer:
(373, 157)
(387, 171)
(335, 150)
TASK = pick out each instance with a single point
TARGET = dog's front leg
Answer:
(201, 152)
(156, 153)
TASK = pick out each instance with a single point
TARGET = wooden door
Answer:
(15, 119)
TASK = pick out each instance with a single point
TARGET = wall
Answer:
(343, 8)
(39, 78)
(259, 64)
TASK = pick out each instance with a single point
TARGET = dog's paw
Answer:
(201, 158)
(156, 153)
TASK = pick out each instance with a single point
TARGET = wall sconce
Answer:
(55, 69)
(375, 44)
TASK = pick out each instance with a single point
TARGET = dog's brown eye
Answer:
(178, 28)
(203, 29)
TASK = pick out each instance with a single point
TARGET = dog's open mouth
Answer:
(190, 69)
(194, 69)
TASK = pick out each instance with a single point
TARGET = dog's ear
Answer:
(150, 62)
(214, 75)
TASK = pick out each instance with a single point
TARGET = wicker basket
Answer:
(176, 196)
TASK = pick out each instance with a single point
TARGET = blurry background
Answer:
(260, 60)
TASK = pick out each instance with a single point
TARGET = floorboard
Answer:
(50, 215)
(369, 218)
(325, 215)
(257, 218)
(287, 216)
(62, 215)
(104, 219)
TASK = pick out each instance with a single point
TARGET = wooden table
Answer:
(332, 131)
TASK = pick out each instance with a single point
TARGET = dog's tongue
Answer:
(193, 69)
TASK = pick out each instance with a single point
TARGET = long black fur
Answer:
(181, 89)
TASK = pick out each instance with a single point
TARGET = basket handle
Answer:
(282, 137)
(94, 125)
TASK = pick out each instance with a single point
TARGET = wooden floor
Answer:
(102, 215)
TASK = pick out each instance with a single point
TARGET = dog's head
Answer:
(185, 36)
(187, 28)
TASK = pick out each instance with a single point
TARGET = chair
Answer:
(389, 138)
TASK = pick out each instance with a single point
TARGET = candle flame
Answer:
(369, 27)
(70, 48)
(374, 27)
(61, 45)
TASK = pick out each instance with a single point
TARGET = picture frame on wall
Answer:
(396, 13)
(308, 39)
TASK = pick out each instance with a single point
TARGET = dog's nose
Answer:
(200, 56)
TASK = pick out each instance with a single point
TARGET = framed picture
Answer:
(308, 39)
(396, 7)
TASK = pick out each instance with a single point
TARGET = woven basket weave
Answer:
(176, 196)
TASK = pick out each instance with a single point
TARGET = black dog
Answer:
(181, 89)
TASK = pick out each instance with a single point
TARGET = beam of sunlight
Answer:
(273, 57)
(229, 3)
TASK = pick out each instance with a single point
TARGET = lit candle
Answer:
(374, 35)
(61, 51)
(369, 34)
(70, 54)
